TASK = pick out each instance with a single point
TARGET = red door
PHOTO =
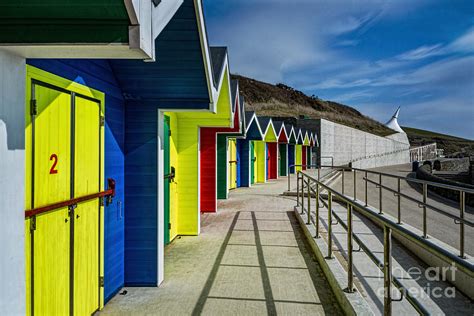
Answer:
(272, 160)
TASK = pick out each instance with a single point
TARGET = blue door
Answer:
(291, 157)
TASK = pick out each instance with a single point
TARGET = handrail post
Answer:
(380, 194)
(329, 225)
(399, 204)
(425, 194)
(289, 180)
(297, 189)
(355, 185)
(309, 203)
(316, 224)
(319, 173)
(343, 170)
(350, 274)
(387, 270)
(366, 189)
(302, 194)
(462, 203)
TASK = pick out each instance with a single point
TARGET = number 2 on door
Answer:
(53, 158)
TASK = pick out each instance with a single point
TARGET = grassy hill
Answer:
(284, 101)
(450, 144)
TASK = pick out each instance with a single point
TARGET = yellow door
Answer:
(299, 157)
(261, 161)
(232, 164)
(48, 181)
(255, 163)
(63, 148)
(87, 215)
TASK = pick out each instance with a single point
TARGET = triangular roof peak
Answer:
(266, 123)
(299, 136)
(280, 129)
(253, 130)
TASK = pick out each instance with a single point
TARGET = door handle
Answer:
(170, 176)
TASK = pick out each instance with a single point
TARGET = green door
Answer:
(283, 163)
(166, 170)
(252, 163)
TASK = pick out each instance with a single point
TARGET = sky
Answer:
(370, 54)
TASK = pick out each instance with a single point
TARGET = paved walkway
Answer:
(439, 226)
(250, 259)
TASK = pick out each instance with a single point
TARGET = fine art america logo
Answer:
(430, 282)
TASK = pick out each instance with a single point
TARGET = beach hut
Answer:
(310, 154)
(246, 150)
(282, 148)
(314, 145)
(214, 156)
(228, 155)
(299, 150)
(189, 148)
(164, 100)
(73, 141)
(267, 151)
(290, 131)
(304, 148)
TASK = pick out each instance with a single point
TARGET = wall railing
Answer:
(421, 202)
(309, 186)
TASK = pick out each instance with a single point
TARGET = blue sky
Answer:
(373, 55)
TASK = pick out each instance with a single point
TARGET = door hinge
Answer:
(169, 225)
(102, 121)
(33, 107)
(101, 281)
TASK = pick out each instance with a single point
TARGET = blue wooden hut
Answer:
(136, 95)
(290, 131)
(246, 150)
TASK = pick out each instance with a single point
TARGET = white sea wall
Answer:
(364, 150)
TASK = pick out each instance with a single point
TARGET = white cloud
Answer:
(421, 52)
(464, 43)
(304, 43)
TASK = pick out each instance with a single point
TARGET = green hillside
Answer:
(450, 144)
(284, 101)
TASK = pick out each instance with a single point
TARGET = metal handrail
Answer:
(109, 193)
(460, 220)
(388, 226)
(432, 248)
(295, 165)
(413, 300)
(430, 183)
(421, 204)
(328, 157)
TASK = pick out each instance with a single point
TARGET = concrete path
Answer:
(439, 226)
(250, 259)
